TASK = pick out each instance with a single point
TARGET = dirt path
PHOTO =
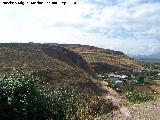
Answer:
(117, 101)
(145, 111)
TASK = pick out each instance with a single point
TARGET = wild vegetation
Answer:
(25, 97)
(141, 87)
(131, 94)
(153, 69)
(58, 81)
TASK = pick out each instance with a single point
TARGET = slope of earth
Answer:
(146, 111)
(57, 65)
(60, 66)
(104, 60)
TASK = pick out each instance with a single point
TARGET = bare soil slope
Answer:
(57, 65)
(104, 60)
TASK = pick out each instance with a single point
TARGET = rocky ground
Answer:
(144, 111)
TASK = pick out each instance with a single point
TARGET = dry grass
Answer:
(94, 56)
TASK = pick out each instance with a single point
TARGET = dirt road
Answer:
(143, 111)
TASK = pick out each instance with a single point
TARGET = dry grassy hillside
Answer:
(104, 60)
(74, 67)
(57, 65)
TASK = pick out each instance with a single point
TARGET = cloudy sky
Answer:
(131, 26)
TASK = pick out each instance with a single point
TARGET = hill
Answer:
(69, 65)
(61, 64)
(57, 62)
(104, 60)
(57, 65)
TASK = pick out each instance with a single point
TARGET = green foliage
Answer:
(131, 95)
(99, 106)
(22, 97)
(151, 65)
(138, 97)
(153, 70)
(25, 97)
(70, 103)
(112, 84)
(121, 88)
(140, 79)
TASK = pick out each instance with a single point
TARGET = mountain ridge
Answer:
(104, 60)
(151, 57)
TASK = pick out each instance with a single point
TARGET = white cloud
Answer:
(129, 25)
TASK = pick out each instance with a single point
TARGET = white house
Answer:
(117, 78)
(124, 77)
(114, 76)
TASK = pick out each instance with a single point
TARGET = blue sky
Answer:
(131, 26)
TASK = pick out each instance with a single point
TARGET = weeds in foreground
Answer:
(26, 97)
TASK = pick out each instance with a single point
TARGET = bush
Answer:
(138, 97)
(112, 84)
(25, 97)
(99, 106)
(95, 107)
(121, 88)
(70, 102)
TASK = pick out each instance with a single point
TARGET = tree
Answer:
(140, 79)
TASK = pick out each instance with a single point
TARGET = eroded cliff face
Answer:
(104, 60)
(71, 58)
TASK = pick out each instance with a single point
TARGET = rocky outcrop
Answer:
(66, 56)
(104, 60)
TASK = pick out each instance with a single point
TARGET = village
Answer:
(120, 78)
(134, 76)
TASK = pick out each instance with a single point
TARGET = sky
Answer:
(130, 26)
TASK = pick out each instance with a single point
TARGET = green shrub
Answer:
(25, 97)
(138, 97)
(121, 88)
(112, 84)
(131, 95)
(65, 97)
(99, 106)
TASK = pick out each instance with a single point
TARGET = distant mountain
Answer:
(155, 55)
(151, 57)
